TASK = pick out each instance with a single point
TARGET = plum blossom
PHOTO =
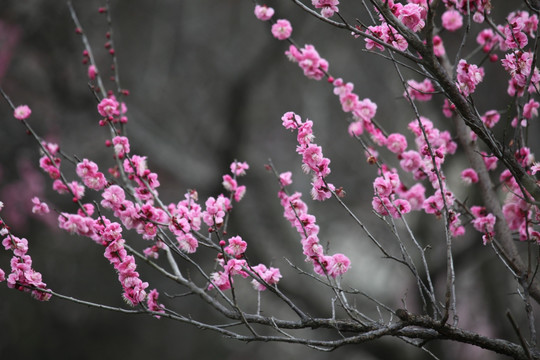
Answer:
(491, 118)
(438, 47)
(152, 303)
(282, 29)
(269, 275)
(468, 76)
(469, 176)
(236, 246)
(530, 109)
(420, 91)
(22, 112)
(263, 12)
(309, 60)
(239, 168)
(396, 143)
(285, 178)
(452, 20)
(108, 107)
(39, 207)
(411, 15)
(329, 7)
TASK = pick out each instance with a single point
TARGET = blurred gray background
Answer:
(209, 85)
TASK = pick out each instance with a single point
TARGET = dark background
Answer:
(209, 85)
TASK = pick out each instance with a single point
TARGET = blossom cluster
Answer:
(296, 212)
(22, 276)
(412, 15)
(231, 259)
(112, 110)
(312, 157)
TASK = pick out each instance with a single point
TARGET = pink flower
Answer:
(282, 29)
(121, 146)
(22, 112)
(271, 276)
(365, 110)
(399, 207)
(108, 108)
(515, 38)
(309, 60)
(490, 161)
(320, 190)
(187, 243)
(396, 143)
(381, 205)
(152, 303)
(491, 118)
(88, 172)
(229, 183)
(469, 176)
(39, 207)
(468, 76)
(290, 120)
(382, 187)
(113, 197)
(236, 246)
(263, 12)
(329, 7)
(420, 91)
(438, 47)
(411, 16)
(285, 178)
(239, 193)
(530, 109)
(219, 279)
(239, 168)
(452, 20)
(483, 222)
(410, 161)
(415, 196)
(338, 265)
(534, 168)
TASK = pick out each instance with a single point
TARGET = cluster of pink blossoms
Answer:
(363, 111)
(232, 262)
(22, 277)
(520, 214)
(296, 212)
(412, 15)
(309, 60)
(312, 157)
(519, 66)
(476, 7)
(328, 7)
(230, 184)
(90, 175)
(112, 111)
(124, 264)
(468, 76)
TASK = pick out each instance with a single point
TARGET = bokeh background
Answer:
(209, 85)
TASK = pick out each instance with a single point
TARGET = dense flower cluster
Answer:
(22, 276)
(312, 157)
(296, 212)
